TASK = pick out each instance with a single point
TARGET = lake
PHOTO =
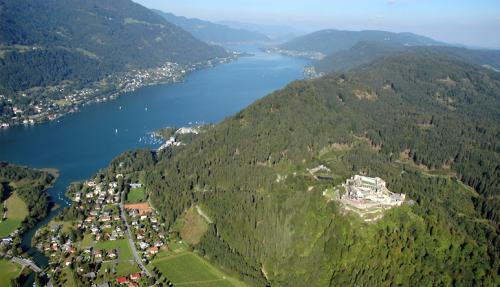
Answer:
(79, 144)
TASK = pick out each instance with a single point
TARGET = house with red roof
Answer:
(153, 250)
(122, 280)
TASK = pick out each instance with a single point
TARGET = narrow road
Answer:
(131, 242)
(202, 214)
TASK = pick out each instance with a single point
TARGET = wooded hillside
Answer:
(425, 123)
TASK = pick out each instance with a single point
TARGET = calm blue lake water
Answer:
(79, 144)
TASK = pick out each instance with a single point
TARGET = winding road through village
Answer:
(131, 242)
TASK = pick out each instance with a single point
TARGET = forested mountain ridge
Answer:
(331, 41)
(366, 52)
(212, 32)
(424, 122)
(46, 42)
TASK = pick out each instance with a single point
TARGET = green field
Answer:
(124, 251)
(68, 277)
(110, 270)
(8, 271)
(86, 241)
(16, 212)
(188, 269)
(136, 195)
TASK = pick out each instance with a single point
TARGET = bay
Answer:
(79, 144)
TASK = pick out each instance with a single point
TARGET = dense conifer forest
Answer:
(424, 122)
(30, 185)
(43, 43)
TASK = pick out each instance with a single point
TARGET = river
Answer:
(79, 144)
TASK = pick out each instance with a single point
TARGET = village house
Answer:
(122, 280)
(105, 218)
(135, 185)
(71, 249)
(153, 250)
(68, 261)
(112, 254)
(143, 245)
(90, 219)
(98, 254)
(135, 276)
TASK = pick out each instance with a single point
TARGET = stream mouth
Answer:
(57, 198)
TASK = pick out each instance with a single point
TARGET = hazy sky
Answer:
(470, 22)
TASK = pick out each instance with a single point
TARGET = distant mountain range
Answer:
(366, 52)
(278, 33)
(345, 50)
(214, 33)
(43, 43)
(331, 41)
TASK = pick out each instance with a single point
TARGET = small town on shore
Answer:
(119, 234)
(111, 234)
(66, 98)
(292, 53)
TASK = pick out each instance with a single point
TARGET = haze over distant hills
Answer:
(277, 33)
(331, 41)
(343, 50)
(46, 42)
(212, 32)
(366, 52)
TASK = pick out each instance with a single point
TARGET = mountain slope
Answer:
(360, 54)
(211, 32)
(331, 41)
(46, 42)
(425, 123)
(366, 52)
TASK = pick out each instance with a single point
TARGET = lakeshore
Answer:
(51, 103)
(80, 144)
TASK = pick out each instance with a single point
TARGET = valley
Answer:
(152, 108)
(321, 145)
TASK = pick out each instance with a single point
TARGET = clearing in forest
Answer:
(15, 212)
